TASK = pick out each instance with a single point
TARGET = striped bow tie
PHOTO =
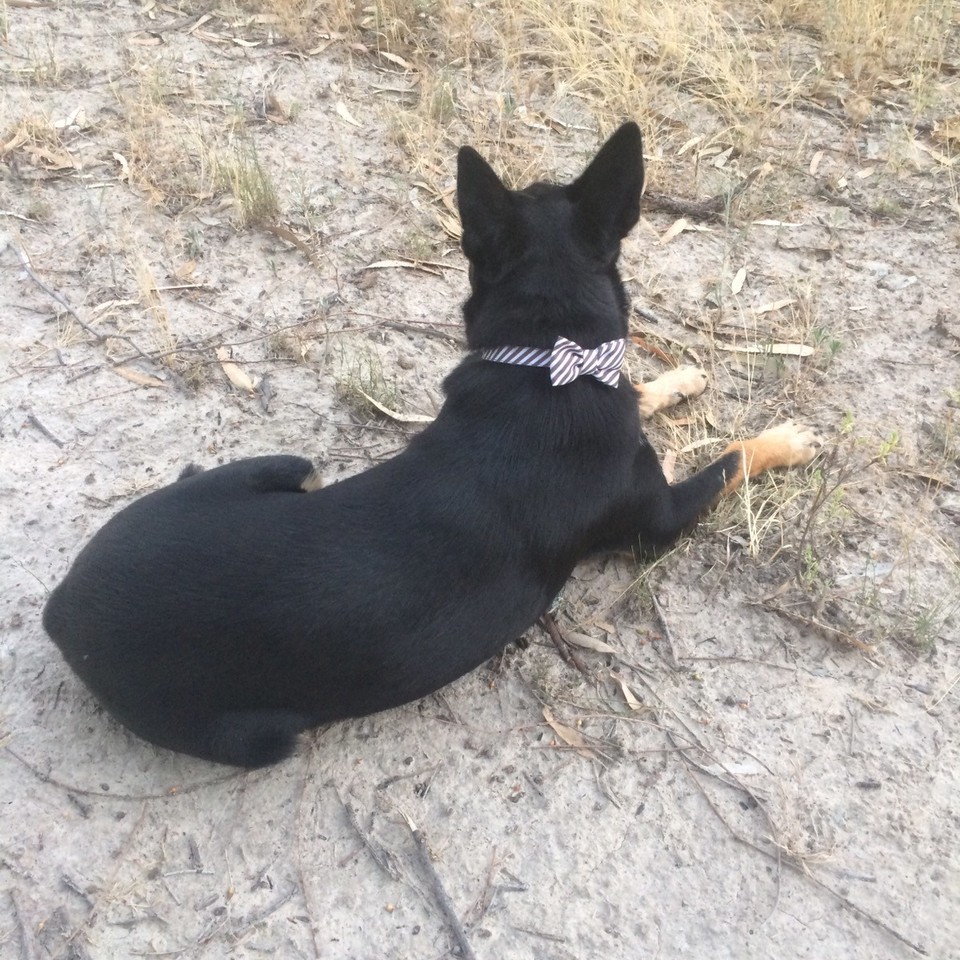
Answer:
(567, 360)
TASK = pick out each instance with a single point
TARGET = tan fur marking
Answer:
(669, 389)
(313, 481)
(786, 445)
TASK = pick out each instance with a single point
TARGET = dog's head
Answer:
(543, 259)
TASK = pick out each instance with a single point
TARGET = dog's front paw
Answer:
(669, 389)
(785, 445)
(789, 445)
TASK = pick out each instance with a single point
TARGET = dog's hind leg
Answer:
(251, 738)
(669, 389)
(270, 474)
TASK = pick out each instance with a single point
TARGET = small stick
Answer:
(34, 421)
(712, 209)
(648, 315)
(567, 653)
(667, 634)
(305, 893)
(28, 947)
(176, 791)
(24, 259)
(801, 868)
(542, 934)
(384, 858)
(439, 893)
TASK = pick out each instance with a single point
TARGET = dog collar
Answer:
(567, 360)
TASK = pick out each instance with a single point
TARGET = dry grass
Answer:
(874, 42)
(163, 336)
(725, 73)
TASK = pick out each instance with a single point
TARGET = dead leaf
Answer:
(427, 266)
(721, 159)
(669, 466)
(943, 160)
(135, 376)
(632, 702)
(947, 130)
(815, 161)
(588, 642)
(775, 305)
(206, 18)
(395, 414)
(124, 167)
(653, 349)
(239, 378)
(450, 226)
(149, 40)
(571, 737)
(185, 271)
(52, 159)
(678, 227)
(783, 349)
(697, 444)
(345, 114)
(399, 61)
(736, 285)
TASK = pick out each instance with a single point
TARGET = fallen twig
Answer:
(28, 946)
(713, 209)
(667, 634)
(175, 791)
(567, 653)
(799, 867)
(823, 628)
(384, 858)
(24, 259)
(647, 315)
(439, 892)
(34, 421)
(308, 904)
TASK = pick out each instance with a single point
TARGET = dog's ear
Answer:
(486, 210)
(607, 193)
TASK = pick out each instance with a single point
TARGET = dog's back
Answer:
(223, 614)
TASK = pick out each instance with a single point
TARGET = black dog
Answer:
(224, 614)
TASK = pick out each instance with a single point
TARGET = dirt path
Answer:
(769, 761)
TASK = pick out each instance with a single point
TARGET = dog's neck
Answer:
(567, 360)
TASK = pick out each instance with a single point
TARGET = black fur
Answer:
(223, 614)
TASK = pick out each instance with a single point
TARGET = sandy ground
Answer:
(784, 781)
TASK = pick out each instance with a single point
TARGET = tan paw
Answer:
(669, 389)
(788, 445)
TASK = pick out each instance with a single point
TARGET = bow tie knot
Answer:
(568, 360)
